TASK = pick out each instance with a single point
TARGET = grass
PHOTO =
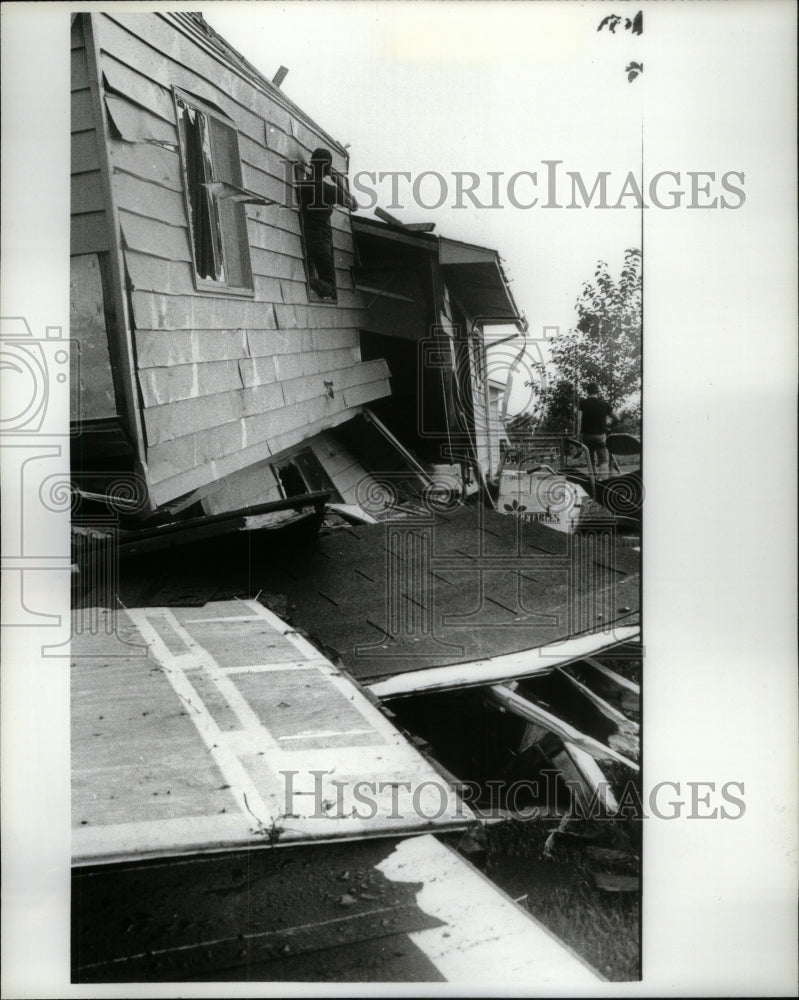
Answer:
(602, 927)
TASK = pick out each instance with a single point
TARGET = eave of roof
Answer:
(194, 22)
(476, 271)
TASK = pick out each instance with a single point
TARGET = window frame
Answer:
(201, 284)
(304, 452)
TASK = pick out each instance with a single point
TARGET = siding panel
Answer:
(151, 200)
(88, 233)
(174, 420)
(156, 239)
(86, 193)
(83, 152)
(225, 380)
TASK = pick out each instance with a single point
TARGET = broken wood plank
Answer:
(513, 702)
(397, 445)
(624, 682)
(630, 693)
(616, 883)
(352, 512)
(609, 855)
(578, 765)
(138, 87)
(134, 124)
(540, 659)
(604, 707)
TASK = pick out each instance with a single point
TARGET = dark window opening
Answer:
(320, 189)
(302, 473)
(217, 221)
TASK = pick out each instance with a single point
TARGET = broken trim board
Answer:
(622, 682)
(502, 668)
(604, 707)
(234, 731)
(485, 937)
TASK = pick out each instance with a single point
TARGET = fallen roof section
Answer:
(202, 729)
(458, 588)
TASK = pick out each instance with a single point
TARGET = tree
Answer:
(636, 26)
(603, 347)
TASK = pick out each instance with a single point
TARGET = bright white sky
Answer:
(415, 86)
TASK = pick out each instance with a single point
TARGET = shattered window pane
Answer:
(220, 245)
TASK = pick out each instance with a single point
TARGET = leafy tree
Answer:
(634, 25)
(603, 347)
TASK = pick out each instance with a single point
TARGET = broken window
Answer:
(212, 177)
(302, 472)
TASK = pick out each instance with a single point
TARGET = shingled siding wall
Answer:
(224, 380)
(89, 230)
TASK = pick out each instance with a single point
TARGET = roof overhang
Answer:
(476, 277)
(474, 273)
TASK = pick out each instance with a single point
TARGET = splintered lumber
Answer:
(632, 690)
(503, 696)
(525, 663)
(606, 709)
(582, 771)
(616, 883)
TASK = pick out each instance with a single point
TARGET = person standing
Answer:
(319, 195)
(595, 416)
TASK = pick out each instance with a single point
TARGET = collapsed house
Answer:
(429, 300)
(211, 374)
(234, 364)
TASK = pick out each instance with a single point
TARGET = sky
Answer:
(500, 87)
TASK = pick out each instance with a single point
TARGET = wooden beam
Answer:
(503, 696)
(525, 663)
(607, 710)
(612, 675)
(280, 76)
(392, 220)
(580, 768)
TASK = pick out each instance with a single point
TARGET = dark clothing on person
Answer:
(317, 200)
(593, 428)
(595, 412)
